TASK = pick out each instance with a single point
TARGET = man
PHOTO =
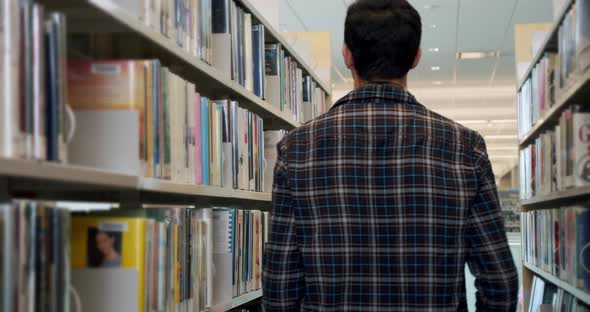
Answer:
(379, 203)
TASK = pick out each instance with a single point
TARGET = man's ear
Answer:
(347, 55)
(417, 58)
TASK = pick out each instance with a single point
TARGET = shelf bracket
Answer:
(130, 200)
(4, 191)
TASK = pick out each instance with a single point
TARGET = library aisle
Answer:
(138, 140)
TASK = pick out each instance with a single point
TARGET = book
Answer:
(206, 139)
(11, 137)
(109, 96)
(168, 249)
(258, 51)
(556, 241)
(274, 94)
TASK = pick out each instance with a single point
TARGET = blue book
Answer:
(240, 47)
(221, 16)
(258, 57)
(52, 91)
(205, 113)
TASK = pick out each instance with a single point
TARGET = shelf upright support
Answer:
(4, 191)
(130, 200)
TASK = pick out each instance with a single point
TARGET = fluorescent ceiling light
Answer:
(475, 55)
(438, 83)
(435, 68)
(433, 49)
(433, 26)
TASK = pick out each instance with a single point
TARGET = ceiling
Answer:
(478, 93)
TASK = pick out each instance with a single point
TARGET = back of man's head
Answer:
(383, 37)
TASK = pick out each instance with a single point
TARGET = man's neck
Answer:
(402, 82)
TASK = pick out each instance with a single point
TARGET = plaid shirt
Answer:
(377, 206)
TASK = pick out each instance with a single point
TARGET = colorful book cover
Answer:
(109, 85)
(205, 135)
(109, 242)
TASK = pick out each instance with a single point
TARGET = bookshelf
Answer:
(578, 91)
(104, 15)
(581, 295)
(45, 180)
(549, 192)
(49, 182)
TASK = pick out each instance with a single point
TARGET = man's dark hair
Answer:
(384, 37)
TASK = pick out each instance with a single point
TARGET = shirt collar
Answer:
(378, 92)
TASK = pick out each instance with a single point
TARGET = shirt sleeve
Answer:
(489, 257)
(283, 281)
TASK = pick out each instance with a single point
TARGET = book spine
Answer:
(205, 117)
(39, 100)
(10, 85)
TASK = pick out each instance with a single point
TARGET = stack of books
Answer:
(240, 237)
(159, 126)
(165, 256)
(560, 158)
(34, 257)
(288, 89)
(33, 96)
(556, 241)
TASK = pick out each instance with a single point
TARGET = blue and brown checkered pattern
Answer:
(377, 206)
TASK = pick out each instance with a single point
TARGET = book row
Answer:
(33, 96)
(160, 126)
(556, 72)
(34, 257)
(546, 297)
(240, 237)
(557, 240)
(560, 158)
(166, 259)
(155, 259)
(223, 34)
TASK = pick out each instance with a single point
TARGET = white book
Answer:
(39, 98)
(249, 67)
(122, 285)
(11, 137)
(273, 90)
(108, 140)
(222, 54)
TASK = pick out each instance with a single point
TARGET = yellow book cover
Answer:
(109, 85)
(176, 271)
(109, 242)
